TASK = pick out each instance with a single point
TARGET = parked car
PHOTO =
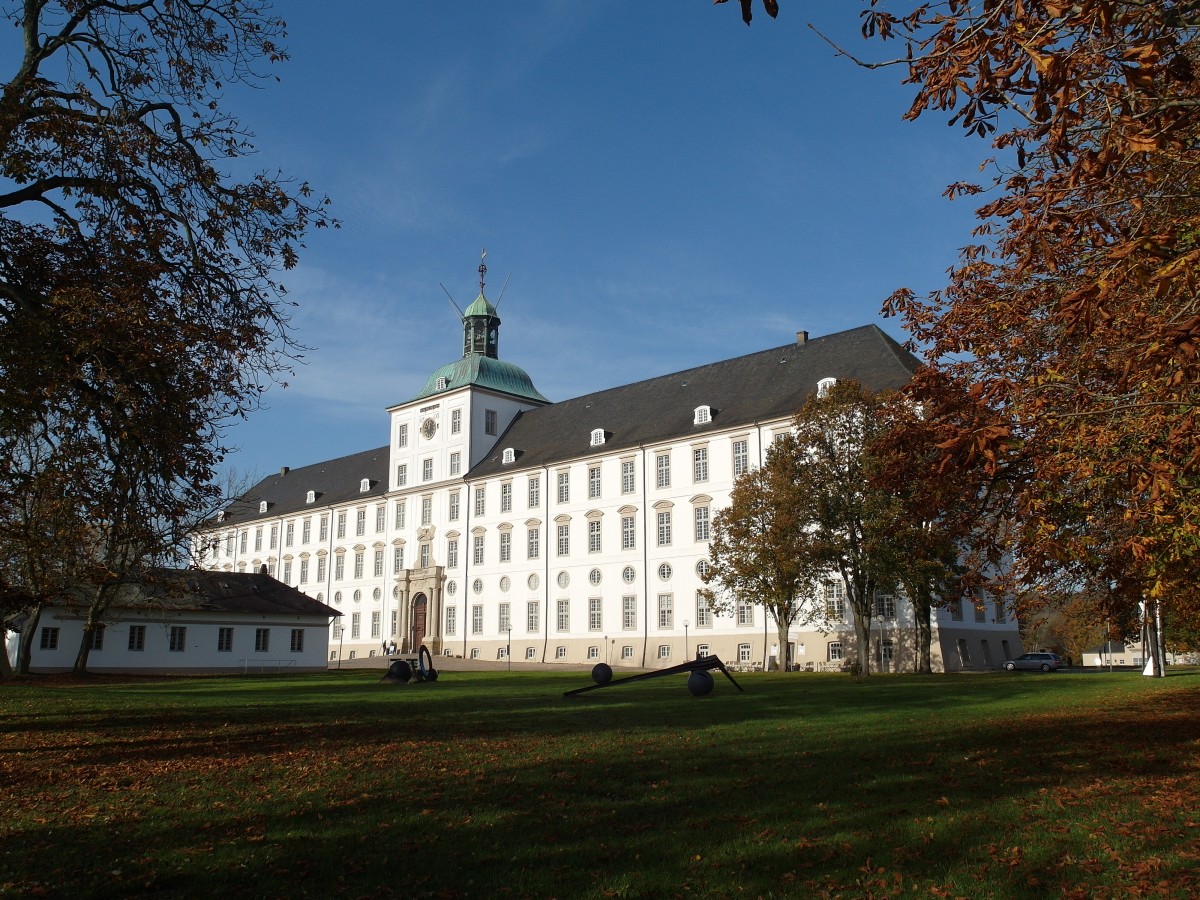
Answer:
(1046, 662)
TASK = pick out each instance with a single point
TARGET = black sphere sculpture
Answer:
(700, 683)
(602, 673)
(401, 671)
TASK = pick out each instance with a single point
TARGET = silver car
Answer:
(1045, 662)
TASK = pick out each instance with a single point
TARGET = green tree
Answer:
(140, 307)
(761, 552)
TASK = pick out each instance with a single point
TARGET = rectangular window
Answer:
(341, 526)
(702, 526)
(664, 651)
(397, 559)
(229, 538)
(426, 510)
(627, 652)
(258, 539)
(664, 528)
(535, 492)
(242, 540)
(564, 615)
(455, 463)
(380, 518)
(297, 642)
(289, 534)
(480, 501)
(505, 546)
(628, 533)
(666, 611)
(704, 617)
(489, 421)
(452, 554)
(743, 653)
(594, 614)
(358, 564)
(339, 567)
(477, 556)
(97, 642)
(663, 470)
(506, 497)
(324, 529)
(427, 470)
(424, 554)
(305, 531)
(376, 624)
(956, 613)
(980, 611)
(629, 613)
(225, 640)
(533, 548)
(505, 618)
(593, 482)
(700, 464)
(454, 506)
(885, 606)
(477, 619)
(287, 571)
(320, 569)
(401, 475)
(455, 421)
(274, 536)
(378, 563)
(564, 540)
(741, 458)
(564, 487)
(262, 640)
(745, 613)
(999, 613)
(402, 436)
(399, 516)
(137, 637)
(304, 571)
(49, 639)
(355, 626)
(360, 522)
(532, 616)
(627, 478)
(835, 600)
(451, 620)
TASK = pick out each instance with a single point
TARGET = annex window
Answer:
(225, 640)
(49, 640)
(97, 639)
(262, 639)
(296, 645)
(137, 637)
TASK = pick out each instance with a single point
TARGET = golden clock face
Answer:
(428, 427)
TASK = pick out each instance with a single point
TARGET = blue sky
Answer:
(665, 186)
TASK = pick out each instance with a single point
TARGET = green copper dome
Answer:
(481, 307)
(484, 372)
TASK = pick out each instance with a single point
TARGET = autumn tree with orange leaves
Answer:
(1075, 314)
(140, 307)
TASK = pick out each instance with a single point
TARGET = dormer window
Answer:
(597, 437)
(440, 384)
(702, 415)
(220, 515)
(510, 455)
(310, 497)
(364, 485)
(824, 386)
(262, 506)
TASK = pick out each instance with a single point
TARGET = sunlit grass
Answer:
(482, 784)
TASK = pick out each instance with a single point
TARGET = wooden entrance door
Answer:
(420, 605)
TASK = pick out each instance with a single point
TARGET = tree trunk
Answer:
(5, 664)
(923, 633)
(1152, 640)
(28, 632)
(782, 626)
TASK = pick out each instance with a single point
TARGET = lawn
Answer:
(485, 784)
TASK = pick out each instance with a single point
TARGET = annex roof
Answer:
(199, 590)
(763, 386)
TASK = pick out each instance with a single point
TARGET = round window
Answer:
(451, 587)
(477, 585)
(505, 584)
(533, 581)
(594, 576)
(664, 571)
(629, 574)
(563, 579)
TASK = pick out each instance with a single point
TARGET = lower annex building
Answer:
(495, 522)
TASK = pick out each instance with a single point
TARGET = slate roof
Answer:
(763, 386)
(334, 481)
(199, 590)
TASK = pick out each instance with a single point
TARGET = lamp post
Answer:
(686, 652)
(508, 649)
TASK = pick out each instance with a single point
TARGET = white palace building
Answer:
(495, 522)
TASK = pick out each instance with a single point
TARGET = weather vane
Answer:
(482, 269)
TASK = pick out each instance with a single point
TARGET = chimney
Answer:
(283, 471)
(801, 337)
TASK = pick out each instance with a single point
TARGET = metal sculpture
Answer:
(705, 664)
